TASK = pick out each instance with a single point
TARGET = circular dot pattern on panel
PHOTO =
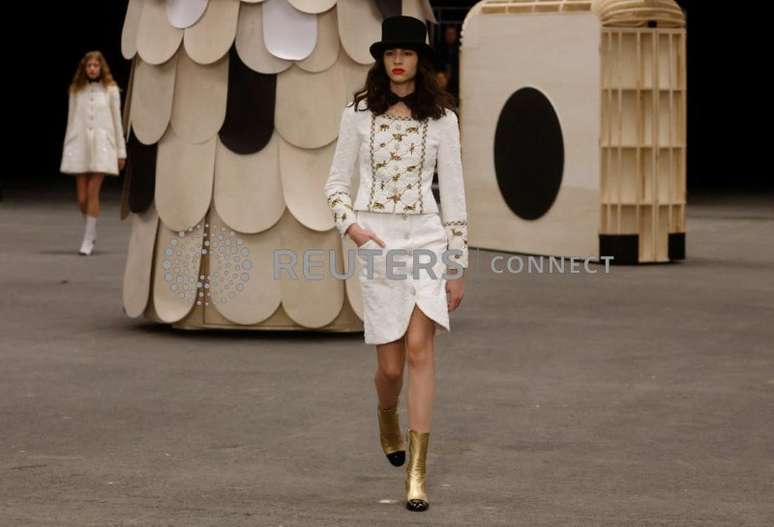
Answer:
(529, 153)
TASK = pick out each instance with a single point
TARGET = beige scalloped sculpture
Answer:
(575, 143)
(210, 202)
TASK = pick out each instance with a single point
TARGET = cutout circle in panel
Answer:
(563, 69)
(529, 153)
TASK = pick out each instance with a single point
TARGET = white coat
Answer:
(94, 140)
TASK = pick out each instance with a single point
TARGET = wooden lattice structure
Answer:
(630, 95)
(643, 129)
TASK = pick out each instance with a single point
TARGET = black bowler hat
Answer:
(402, 31)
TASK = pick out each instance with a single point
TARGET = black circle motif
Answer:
(529, 153)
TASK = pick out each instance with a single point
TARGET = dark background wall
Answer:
(726, 92)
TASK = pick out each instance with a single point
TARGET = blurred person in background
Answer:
(94, 140)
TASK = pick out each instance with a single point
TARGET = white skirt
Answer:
(388, 301)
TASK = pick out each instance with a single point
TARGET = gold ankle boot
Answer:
(416, 494)
(390, 436)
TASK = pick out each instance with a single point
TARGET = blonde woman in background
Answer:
(94, 141)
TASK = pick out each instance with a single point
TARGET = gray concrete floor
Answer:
(642, 397)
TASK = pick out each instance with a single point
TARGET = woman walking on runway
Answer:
(397, 129)
(94, 140)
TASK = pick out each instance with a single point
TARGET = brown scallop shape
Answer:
(141, 171)
(250, 104)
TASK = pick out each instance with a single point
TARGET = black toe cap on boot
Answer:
(397, 458)
(417, 505)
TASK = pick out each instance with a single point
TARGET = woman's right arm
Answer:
(337, 187)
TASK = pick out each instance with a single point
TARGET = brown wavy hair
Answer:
(431, 98)
(81, 79)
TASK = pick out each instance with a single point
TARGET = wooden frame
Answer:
(642, 147)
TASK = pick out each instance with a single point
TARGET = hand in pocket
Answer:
(361, 235)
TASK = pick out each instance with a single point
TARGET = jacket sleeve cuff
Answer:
(340, 203)
(343, 224)
(457, 236)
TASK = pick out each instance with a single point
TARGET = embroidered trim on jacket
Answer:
(396, 197)
(373, 167)
(421, 167)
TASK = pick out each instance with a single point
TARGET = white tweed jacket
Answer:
(396, 158)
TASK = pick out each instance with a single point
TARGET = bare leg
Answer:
(419, 353)
(94, 185)
(391, 358)
(81, 189)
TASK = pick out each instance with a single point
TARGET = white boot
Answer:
(86, 246)
(90, 236)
